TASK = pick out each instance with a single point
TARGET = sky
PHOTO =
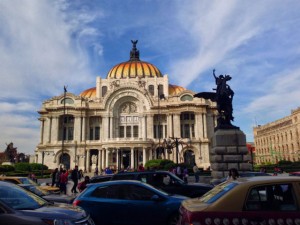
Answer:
(48, 44)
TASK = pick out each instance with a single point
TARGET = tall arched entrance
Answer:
(65, 160)
(189, 157)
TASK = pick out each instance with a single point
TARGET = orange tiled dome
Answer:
(134, 67)
(89, 93)
(175, 90)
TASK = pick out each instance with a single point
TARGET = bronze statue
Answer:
(223, 96)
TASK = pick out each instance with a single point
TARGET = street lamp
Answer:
(173, 142)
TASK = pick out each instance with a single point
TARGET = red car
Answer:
(295, 173)
(268, 200)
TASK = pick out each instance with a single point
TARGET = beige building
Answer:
(278, 140)
(130, 117)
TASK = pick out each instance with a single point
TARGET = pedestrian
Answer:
(53, 176)
(179, 172)
(96, 171)
(74, 177)
(57, 178)
(141, 168)
(108, 170)
(63, 181)
(185, 174)
(196, 173)
(82, 185)
(233, 174)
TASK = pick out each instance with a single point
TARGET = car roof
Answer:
(264, 179)
(141, 172)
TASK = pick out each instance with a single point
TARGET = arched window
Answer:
(186, 98)
(67, 101)
(104, 90)
(151, 89)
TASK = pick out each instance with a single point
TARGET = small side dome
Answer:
(175, 90)
(134, 67)
(89, 93)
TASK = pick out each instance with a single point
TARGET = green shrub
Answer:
(159, 164)
(23, 166)
(6, 168)
(38, 166)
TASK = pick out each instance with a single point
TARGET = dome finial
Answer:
(134, 53)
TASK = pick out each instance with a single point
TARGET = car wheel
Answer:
(173, 219)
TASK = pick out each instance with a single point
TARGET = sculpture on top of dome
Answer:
(134, 53)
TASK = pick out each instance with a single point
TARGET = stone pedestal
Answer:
(228, 151)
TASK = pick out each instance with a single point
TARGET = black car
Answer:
(101, 178)
(166, 181)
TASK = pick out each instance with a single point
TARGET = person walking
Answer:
(53, 176)
(63, 180)
(233, 174)
(196, 173)
(82, 185)
(74, 177)
(185, 174)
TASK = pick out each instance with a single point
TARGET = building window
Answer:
(97, 133)
(67, 101)
(66, 127)
(187, 125)
(95, 126)
(186, 98)
(151, 89)
(160, 90)
(121, 134)
(135, 131)
(104, 90)
(128, 131)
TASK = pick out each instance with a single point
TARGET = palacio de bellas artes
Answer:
(132, 116)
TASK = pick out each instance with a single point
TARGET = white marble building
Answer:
(126, 120)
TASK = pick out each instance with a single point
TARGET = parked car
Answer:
(250, 200)
(297, 173)
(17, 203)
(26, 180)
(129, 202)
(48, 195)
(215, 182)
(167, 182)
(101, 178)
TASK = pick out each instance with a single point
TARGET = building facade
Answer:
(130, 117)
(278, 140)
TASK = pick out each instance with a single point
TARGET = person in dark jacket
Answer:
(74, 177)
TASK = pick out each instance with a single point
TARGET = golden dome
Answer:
(134, 67)
(89, 93)
(175, 90)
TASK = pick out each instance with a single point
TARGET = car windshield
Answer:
(25, 180)
(217, 192)
(18, 198)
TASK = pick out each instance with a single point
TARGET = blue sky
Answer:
(45, 45)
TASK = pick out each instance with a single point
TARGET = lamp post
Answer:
(173, 142)
(63, 127)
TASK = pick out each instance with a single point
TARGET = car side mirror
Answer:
(155, 198)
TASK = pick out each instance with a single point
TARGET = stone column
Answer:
(204, 125)
(103, 159)
(42, 128)
(150, 126)
(177, 127)
(99, 159)
(49, 121)
(132, 158)
(106, 158)
(77, 128)
(55, 129)
(144, 127)
(83, 128)
(88, 161)
(117, 160)
(144, 156)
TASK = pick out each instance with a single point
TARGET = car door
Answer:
(141, 208)
(105, 205)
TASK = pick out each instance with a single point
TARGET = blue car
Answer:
(129, 202)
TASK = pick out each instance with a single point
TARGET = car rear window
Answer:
(217, 192)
